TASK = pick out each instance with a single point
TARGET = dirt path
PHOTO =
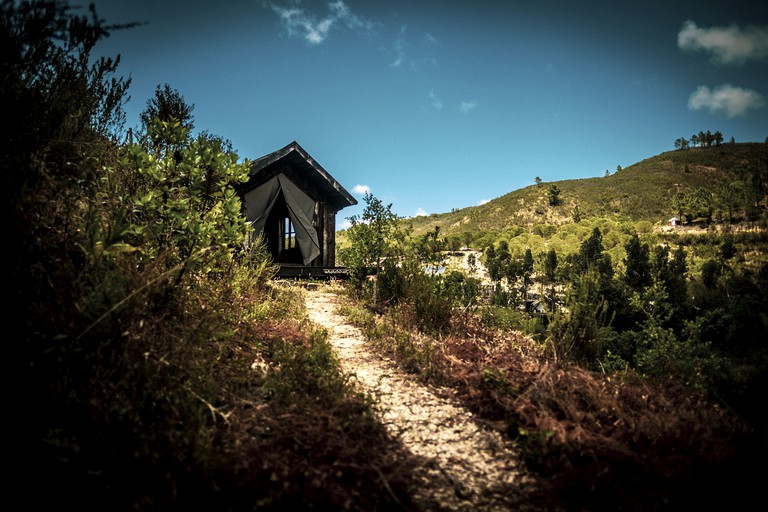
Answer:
(466, 467)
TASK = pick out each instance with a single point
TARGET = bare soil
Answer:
(464, 465)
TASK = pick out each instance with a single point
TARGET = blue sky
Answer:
(438, 105)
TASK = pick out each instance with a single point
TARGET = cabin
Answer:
(292, 201)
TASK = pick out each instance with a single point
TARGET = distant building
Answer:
(674, 221)
(293, 201)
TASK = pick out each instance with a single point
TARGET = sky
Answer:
(437, 105)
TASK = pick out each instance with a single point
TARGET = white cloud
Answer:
(467, 106)
(483, 201)
(411, 55)
(734, 101)
(429, 39)
(401, 47)
(421, 212)
(299, 22)
(345, 224)
(433, 101)
(361, 189)
(728, 45)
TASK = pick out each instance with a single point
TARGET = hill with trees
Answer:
(718, 183)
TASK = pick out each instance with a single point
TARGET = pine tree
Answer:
(638, 264)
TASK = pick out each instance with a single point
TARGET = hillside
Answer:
(644, 191)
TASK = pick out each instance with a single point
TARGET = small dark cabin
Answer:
(293, 201)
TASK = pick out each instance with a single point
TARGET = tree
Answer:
(550, 274)
(429, 249)
(538, 181)
(575, 331)
(491, 264)
(550, 266)
(756, 184)
(669, 272)
(374, 235)
(466, 238)
(526, 270)
(638, 265)
(576, 214)
(61, 107)
(729, 197)
(710, 271)
(472, 263)
(591, 255)
(553, 195)
(54, 97)
(695, 204)
(513, 270)
(165, 109)
(728, 248)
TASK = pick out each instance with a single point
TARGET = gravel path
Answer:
(466, 467)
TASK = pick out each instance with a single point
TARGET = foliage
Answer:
(553, 194)
(575, 330)
(592, 256)
(374, 236)
(167, 109)
(186, 208)
(694, 205)
(409, 272)
(158, 365)
(637, 266)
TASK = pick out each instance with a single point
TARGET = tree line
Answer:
(702, 139)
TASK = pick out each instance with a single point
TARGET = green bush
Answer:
(431, 304)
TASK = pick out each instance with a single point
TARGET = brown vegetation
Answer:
(597, 442)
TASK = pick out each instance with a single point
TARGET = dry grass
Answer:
(598, 442)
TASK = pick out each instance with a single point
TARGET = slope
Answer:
(644, 191)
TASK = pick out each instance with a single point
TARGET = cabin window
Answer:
(289, 234)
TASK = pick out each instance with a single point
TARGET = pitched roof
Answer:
(293, 156)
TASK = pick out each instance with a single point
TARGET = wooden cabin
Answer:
(293, 202)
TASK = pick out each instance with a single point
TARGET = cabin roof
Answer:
(295, 158)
